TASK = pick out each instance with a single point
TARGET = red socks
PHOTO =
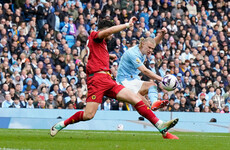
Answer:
(78, 116)
(146, 112)
(140, 107)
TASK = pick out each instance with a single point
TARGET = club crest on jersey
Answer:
(138, 60)
(94, 97)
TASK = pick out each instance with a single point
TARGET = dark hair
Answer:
(79, 85)
(105, 24)
(83, 96)
(30, 97)
(44, 87)
(56, 85)
(81, 66)
(204, 99)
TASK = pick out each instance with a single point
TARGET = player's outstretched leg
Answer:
(163, 127)
(128, 96)
(90, 111)
(62, 124)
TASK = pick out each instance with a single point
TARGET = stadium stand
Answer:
(43, 50)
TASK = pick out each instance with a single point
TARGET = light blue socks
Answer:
(153, 94)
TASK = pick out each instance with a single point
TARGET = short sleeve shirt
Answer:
(130, 61)
(98, 54)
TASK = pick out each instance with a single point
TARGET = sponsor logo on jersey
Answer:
(94, 97)
(138, 60)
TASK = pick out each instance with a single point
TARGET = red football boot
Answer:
(159, 104)
(169, 136)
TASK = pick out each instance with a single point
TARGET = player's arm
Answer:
(149, 73)
(107, 32)
(160, 36)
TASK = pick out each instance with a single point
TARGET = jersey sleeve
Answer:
(94, 36)
(135, 60)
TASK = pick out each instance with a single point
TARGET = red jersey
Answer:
(98, 54)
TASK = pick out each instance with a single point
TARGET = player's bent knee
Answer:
(142, 92)
(147, 85)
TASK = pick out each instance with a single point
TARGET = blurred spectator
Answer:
(30, 104)
(197, 109)
(121, 106)
(183, 106)
(28, 87)
(192, 9)
(8, 101)
(15, 104)
(43, 31)
(117, 52)
(218, 99)
(107, 104)
(225, 109)
(23, 102)
(73, 102)
(60, 102)
(202, 106)
(171, 104)
(176, 107)
(41, 14)
(42, 104)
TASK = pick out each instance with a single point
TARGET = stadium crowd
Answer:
(43, 50)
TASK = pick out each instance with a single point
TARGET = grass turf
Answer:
(21, 139)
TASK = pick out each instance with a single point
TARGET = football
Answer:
(169, 82)
(120, 127)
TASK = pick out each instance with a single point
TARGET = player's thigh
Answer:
(127, 95)
(134, 85)
(90, 110)
(145, 87)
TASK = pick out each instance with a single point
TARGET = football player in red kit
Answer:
(100, 83)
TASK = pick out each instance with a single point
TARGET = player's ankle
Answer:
(164, 133)
(159, 124)
(64, 123)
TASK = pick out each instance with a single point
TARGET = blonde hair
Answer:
(148, 39)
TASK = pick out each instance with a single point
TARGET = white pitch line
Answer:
(120, 132)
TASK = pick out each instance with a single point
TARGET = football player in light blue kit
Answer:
(131, 64)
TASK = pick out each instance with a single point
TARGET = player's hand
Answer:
(160, 79)
(161, 87)
(164, 30)
(113, 56)
(132, 21)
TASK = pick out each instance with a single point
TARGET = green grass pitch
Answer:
(20, 139)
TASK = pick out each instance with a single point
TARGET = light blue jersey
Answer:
(130, 61)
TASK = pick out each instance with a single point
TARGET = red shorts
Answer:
(99, 85)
